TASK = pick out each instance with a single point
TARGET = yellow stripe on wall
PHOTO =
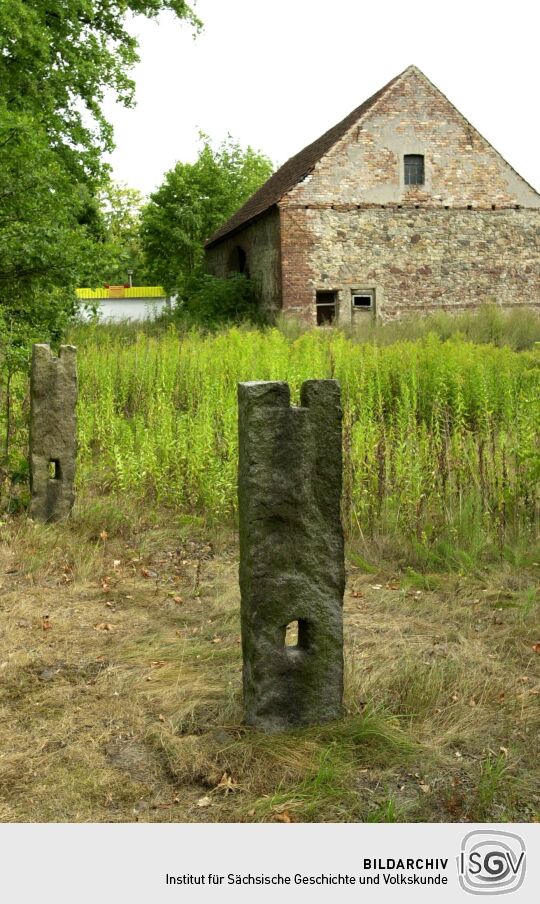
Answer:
(121, 292)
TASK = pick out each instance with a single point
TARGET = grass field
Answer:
(120, 655)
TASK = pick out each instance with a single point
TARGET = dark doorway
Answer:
(237, 262)
(325, 303)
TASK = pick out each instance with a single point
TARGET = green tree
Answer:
(193, 200)
(121, 208)
(57, 59)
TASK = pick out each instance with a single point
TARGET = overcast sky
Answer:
(277, 73)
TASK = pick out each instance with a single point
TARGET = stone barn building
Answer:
(401, 207)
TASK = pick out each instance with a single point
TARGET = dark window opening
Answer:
(325, 303)
(238, 261)
(362, 301)
(414, 169)
(296, 635)
(54, 469)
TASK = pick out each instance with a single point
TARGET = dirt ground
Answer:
(120, 689)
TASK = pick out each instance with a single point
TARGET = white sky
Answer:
(277, 73)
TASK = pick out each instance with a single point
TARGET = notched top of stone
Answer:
(314, 389)
(277, 393)
(43, 348)
(271, 393)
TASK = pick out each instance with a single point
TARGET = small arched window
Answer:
(414, 169)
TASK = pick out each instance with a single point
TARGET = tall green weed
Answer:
(440, 437)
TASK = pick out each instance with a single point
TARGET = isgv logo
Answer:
(491, 863)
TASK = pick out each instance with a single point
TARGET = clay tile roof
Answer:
(295, 169)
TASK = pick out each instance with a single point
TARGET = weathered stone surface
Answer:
(291, 553)
(53, 432)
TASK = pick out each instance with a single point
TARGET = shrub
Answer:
(210, 301)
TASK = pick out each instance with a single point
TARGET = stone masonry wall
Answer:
(260, 242)
(469, 235)
(416, 260)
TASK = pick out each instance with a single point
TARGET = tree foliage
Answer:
(193, 200)
(121, 210)
(57, 59)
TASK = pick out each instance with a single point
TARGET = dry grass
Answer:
(121, 686)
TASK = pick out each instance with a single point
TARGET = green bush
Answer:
(211, 301)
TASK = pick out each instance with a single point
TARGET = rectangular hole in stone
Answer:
(296, 634)
(54, 469)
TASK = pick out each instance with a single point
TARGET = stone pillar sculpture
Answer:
(53, 432)
(292, 569)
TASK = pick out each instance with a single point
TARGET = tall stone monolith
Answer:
(291, 553)
(53, 432)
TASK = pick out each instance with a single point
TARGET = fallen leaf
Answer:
(216, 640)
(45, 623)
(376, 586)
(104, 626)
(226, 784)
(357, 594)
(178, 600)
(425, 788)
(204, 802)
(105, 584)
(103, 535)
(536, 647)
(157, 663)
(285, 816)
(116, 563)
(145, 572)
